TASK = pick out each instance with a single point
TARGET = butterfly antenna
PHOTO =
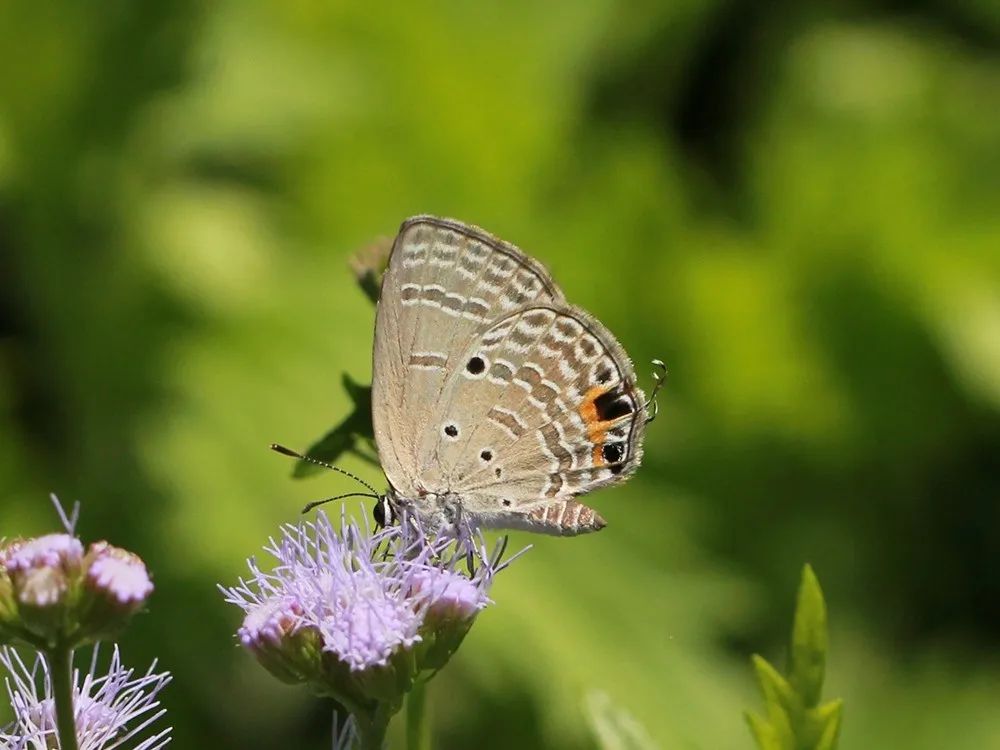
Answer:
(316, 503)
(278, 448)
(660, 377)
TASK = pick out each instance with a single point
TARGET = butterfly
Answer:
(495, 402)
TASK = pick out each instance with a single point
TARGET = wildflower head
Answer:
(51, 590)
(276, 634)
(43, 574)
(113, 707)
(9, 615)
(116, 585)
(355, 615)
(451, 596)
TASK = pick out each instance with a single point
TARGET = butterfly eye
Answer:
(383, 513)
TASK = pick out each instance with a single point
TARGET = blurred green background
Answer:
(795, 205)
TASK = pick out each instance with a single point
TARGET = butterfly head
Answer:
(430, 511)
(384, 512)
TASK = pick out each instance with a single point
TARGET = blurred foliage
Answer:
(614, 728)
(795, 719)
(353, 434)
(794, 205)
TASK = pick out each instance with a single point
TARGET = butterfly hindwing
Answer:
(545, 408)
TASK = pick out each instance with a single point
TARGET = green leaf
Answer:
(795, 720)
(832, 713)
(809, 640)
(764, 734)
(349, 436)
(780, 700)
(778, 693)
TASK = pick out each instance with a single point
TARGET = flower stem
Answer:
(372, 729)
(417, 726)
(61, 668)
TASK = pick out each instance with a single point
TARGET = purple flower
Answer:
(111, 709)
(269, 622)
(118, 574)
(50, 590)
(341, 604)
(115, 586)
(450, 595)
(51, 550)
(42, 569)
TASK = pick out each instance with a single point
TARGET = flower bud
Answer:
(51, 592)
(9, 616)
(288, 648)
(451, 601)
(44, 574)
(115, 586)
(451, 597)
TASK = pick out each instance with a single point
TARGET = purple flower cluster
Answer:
(55, 596)
(341, 602)
(111, 708)
(53, 589)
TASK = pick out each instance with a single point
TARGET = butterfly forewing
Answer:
(446, 281)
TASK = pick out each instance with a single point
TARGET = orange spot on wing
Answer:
(595, 427)
(598, 455)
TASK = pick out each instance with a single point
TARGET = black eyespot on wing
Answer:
(486, 455)
(613, 452)
(612, 405)
(451, 430)
(616, 469)
(497, 472)
(506, 503)
(476, 365)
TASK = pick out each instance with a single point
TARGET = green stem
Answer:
(372, 729)
(61, 669)
(418, 735)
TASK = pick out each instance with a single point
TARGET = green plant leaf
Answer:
(778, 693)
(780, 700)
(764, 734)
(353, 435)
(795, 720)
(831, 713)
(368, 266)
(809, 640)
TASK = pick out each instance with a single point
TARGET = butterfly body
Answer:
(494, 401)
